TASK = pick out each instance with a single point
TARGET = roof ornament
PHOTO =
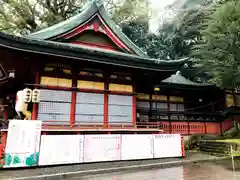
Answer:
(178, 73)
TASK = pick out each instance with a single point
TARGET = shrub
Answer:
(192, 142)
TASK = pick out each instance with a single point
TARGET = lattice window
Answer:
(120, 109)
(89, 108)
(54, 106)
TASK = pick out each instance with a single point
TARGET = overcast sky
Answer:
(158, 12)
(161, 3)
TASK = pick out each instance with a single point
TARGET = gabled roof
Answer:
(50, 42)
(91, 10)
(88, 54)
(178, 79)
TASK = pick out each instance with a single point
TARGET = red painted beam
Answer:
(77, 31)
(113, 37)
(96, 27)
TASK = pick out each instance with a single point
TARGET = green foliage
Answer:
(129, 11)
(25, 16)
(174, 39)
(218, 51)
(206, 30)
(177, 37)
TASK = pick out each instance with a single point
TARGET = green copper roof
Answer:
(179, 79)
(89, 10)
(84, 53)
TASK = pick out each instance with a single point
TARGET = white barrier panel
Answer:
(61, 149)
(22, 148)
(137, 146)
(102, 148)
(167, 145)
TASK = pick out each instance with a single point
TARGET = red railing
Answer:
(171, 127)
(227, 124)
(184, 128)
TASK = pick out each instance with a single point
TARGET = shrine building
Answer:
(92, 77)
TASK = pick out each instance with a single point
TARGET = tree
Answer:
(219, 51)
(176, 37)
(127, 11)
(188, 33)
(25, 16)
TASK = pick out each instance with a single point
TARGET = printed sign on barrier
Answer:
(167, 145)
(137, 146)
(22, 148)
(61, 149)
(23, 142)
(102, 148)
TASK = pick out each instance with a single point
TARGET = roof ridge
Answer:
(88, 54)
(90, 8)
(178, 78)
(98, 2)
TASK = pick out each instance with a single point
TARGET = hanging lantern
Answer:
(27, 95)
(36, 96)
(156, 89)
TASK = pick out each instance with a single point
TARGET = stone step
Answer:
(210, 137)
(214, 143)
(215, 148)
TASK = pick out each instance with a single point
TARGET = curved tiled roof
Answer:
(181, 80)
(87, 54)
(89, 10)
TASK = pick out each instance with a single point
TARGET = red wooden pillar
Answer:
(105, 118)
(5, 115)
(169, 117)
(134, 108)
(74, 100)
(3, 146)
(205, 126)
(35, 105)
(105, 110)
(183, 148)
(3, 137)
(220, 127)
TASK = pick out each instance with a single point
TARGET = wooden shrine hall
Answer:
(92, 76)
